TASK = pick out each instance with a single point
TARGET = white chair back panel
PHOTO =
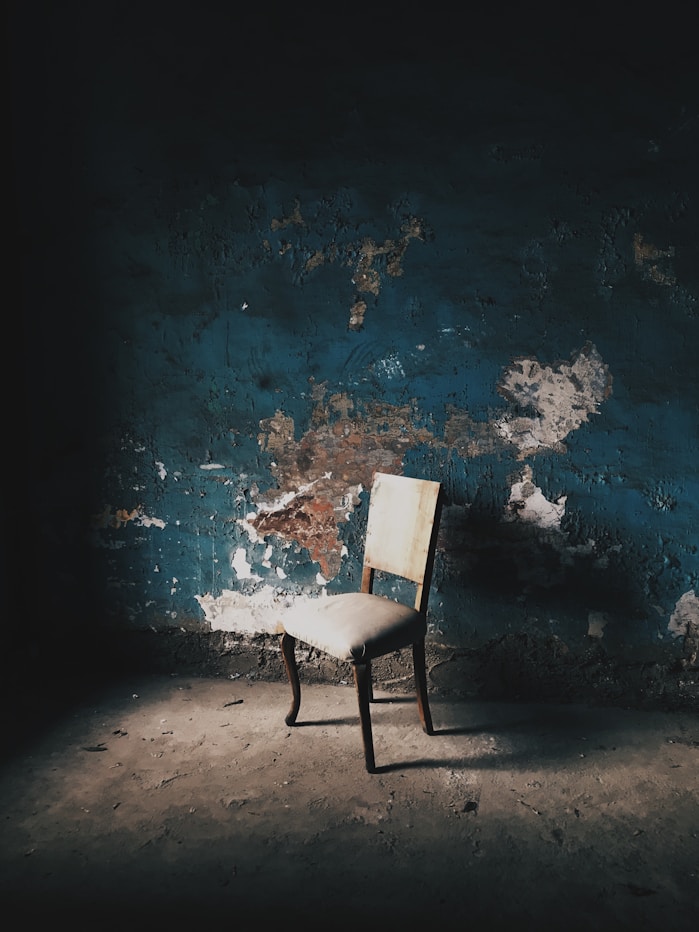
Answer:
(399, 525)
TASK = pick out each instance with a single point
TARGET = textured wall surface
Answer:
(265, 258)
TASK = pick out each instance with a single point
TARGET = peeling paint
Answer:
(528, 503)
(684, 621)
(596, 623)
(241, 566)
(366, 277)
(337, 458)
(123, 516)
(257, 613)
(294, 218)
(390, 368)
(357, 312)
(563, 396)
(649, 259)
(320, 476)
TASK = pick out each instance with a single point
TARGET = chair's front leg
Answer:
(361, 681)
(292, 671)
(423, 705)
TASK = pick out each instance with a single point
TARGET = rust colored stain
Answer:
(357, 312)
(366, 278)
(294, 218)
(316, 260)
(337, 456)
(118, 519)
(312, 524)
(648, 258)
(470, 438)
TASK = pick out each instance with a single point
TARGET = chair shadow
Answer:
(523, 735)
(320, 722)
(393, 700)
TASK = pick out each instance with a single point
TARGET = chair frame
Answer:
(362, 669)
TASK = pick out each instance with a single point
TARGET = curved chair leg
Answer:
(288, 645)
(423, 705)
(362, 674)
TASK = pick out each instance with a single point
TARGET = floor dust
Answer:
(184, 802)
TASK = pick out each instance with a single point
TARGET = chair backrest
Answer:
(401, 533)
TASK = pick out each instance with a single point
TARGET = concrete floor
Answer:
(178, 802)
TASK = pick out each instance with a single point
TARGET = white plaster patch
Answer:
(162, 472)
(145, 521)
(528, 503)
(249, 528)
(258, 613)
(684, 621)
(564, 397)
(241, 566)
(211, 466)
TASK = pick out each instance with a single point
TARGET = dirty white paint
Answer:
(528, 503)
(390, 368)
(684, 621)
(145, 521)
(564, 396)
(241, 566)
(162, 472)
(596, 623)
(122, 516)
(211, 466)
(260, 612)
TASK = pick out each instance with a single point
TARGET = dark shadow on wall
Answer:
(544, 618)
(535, 571)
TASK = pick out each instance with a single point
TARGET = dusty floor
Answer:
(183, 802)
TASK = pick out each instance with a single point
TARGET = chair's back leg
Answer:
(423, 704)
(292, 671)
(362, 673)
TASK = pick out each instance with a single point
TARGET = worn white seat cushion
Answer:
(355, 625)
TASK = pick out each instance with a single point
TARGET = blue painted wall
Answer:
(261, 260)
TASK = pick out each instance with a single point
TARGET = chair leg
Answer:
(362, 673)
(288, 653)
(423, 705)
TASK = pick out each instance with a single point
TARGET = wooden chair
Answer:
(358, 627)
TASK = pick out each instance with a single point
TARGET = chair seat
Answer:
(355, 626)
